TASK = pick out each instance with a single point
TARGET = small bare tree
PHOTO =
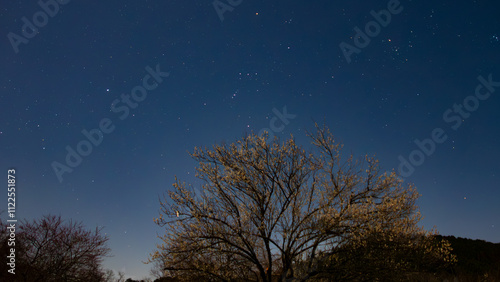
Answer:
(121, 276)
(51, 249)
(109, 276)
(276, 212)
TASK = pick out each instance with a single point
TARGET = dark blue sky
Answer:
(417, 74)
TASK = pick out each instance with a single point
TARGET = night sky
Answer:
(158, 78)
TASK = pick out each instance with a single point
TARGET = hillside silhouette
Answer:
(477, 260)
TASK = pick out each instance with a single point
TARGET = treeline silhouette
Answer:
(477, 260)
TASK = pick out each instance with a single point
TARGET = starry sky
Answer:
(415, 83)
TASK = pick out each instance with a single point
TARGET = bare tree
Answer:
(121, 276)
(109, 276)
(50, 249)
(276, 212)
